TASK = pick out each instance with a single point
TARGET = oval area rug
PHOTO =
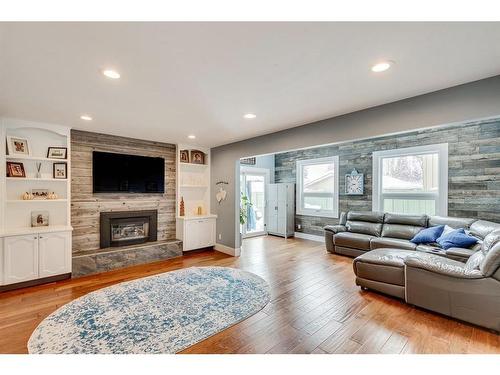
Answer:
(165, 313)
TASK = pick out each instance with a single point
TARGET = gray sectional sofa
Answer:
(463, 283)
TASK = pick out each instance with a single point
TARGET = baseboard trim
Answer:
(311, 237)
(228, 250)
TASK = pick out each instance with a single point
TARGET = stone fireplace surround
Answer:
(86, 208)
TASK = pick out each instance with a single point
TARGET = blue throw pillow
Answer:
(428, 235)
(457, 238)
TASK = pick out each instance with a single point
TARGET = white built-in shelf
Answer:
(195, 186)
(34, 158)
(31, 230)
(195, 217)
(35, 179)
(193, 165)
(35, 200)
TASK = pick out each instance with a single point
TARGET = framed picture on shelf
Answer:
(39, 218)
(40, 193)
(184, 156)
(197, 157)
(60, 171)
(17, 146)
(57, 153)
(15, 169)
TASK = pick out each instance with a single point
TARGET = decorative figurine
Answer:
(181, 210)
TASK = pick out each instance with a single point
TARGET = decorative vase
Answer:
(200, 210)
(181, 210)
(26, 196)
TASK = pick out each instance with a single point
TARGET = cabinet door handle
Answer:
(40, 237)
(35, 238)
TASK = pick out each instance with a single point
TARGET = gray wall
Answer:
(473, 169)
(470, 101)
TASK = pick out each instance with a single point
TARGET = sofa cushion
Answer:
(415, 220)
(428, 235)
(474, 261)
(393, 243)
(369, 216)
(481, 228)
(491, 261)
(490, 240)
(441, 265)
(373, 229)
(406, 232)
(353, 240)
(430, 248)
(386, 257)
(454, 222)
(460, 252)
(335, 228)
(457, 238)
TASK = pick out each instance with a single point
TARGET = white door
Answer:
(282, 208)
(253, 183)
(191, 240)
(272, 203)
(54, 253)
(206, 233)
(20, 258)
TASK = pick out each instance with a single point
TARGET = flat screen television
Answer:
(120, 173)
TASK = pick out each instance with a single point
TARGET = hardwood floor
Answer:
(315, 307)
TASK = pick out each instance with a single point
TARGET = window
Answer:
(318, 187)
(411, 180)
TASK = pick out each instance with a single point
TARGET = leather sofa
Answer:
(359, 232)
(462, 283)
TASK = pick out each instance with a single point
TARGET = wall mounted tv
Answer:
(119, 173)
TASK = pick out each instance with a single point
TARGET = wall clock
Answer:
(354, 183)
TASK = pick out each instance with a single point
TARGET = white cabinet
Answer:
(20, 258)
(281, 209)
(34, 256)
(196, 232)
(54, 253)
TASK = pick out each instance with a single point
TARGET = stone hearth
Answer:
(90, 262)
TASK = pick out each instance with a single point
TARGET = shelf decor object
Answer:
(354, 183)
(60, 171)
(15, 170)
(57, 153)
(34, 249)
(197, 157)
(184, 156)
(17, 146)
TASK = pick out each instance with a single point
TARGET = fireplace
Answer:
(128, 227)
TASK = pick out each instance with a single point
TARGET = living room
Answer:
(250, 188)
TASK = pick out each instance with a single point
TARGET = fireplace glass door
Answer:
(128, 231)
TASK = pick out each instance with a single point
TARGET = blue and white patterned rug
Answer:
(164, 313)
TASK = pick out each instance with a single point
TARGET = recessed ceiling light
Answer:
(110, 73)
(191, 136)
(249, 115)
(86, 117)
(381, 66)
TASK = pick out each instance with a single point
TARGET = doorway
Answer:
(253, 185)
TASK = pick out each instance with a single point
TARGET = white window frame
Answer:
(441, 196)
(299, 199)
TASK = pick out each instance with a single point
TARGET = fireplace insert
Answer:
(128, 227)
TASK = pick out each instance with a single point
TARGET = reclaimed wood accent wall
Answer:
(473, 169)
(86, 206)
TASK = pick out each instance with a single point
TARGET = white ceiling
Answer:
(200, 78)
